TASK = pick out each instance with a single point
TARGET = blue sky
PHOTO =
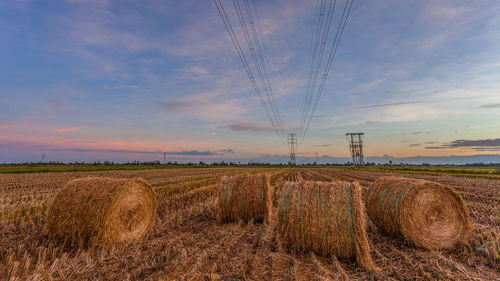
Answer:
(109, 80)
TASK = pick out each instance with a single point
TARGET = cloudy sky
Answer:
(126, 80)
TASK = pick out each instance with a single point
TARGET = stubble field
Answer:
(187, 243)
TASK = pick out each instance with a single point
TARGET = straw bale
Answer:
(426, 214)
(100, 211)
(244, 197)
(327, 218)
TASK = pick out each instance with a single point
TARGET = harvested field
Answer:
(187, 243)
(477, 260)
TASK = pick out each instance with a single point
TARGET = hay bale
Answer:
(244, 197)
(327, 218)
(102, 211)
(427, 214)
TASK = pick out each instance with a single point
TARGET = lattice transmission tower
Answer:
(292, 144)
(355, 141)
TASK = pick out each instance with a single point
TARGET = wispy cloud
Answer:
(442, 13)
(68, 129)
(180, 104)
(249, 127)
(197, 70)
(193, 153)
(323, 145)
(72, 148)
(115, 87)
(8, 125)
(196, 73)
(185, 153)
(373, 122)
(57, 103)
(478, 145)
(368, 85)
(475, 143)
(207, 106)
(24, 120)
(388, 114)
(389, 104)
(487, 106)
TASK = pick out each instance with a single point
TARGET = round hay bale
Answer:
(427, 214)
(102, 211)
(327, 218)
(244, 197)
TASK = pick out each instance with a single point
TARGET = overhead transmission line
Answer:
(313, 91)
(313, 54)
(262, 82)
(263, 59)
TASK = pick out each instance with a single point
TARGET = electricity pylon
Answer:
(292, 144)
(355, 141)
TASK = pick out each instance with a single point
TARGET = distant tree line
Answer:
(251, 163)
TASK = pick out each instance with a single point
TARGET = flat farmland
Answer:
(187, 243)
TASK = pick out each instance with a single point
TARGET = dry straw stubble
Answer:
(100, 211)
(327, 218)
(244, 197)
(427, 214)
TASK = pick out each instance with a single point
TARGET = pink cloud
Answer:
(108, 148)
(64, 130)
(24, 119)
(8, 125)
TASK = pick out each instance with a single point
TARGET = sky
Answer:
(88, 80)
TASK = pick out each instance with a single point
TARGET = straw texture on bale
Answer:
(102, 211)
(327, 218)
(244, 197)
(427, 214)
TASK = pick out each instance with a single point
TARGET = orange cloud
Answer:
(64, 130)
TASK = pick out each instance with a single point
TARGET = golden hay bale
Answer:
(428, 214)
(102, 211)
(244, 197)
(327, 218)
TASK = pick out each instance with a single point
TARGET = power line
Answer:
(320, 42)
(316, 62)
(324, 39)
(262, 82)
(333, 51)
(263, 61)
(236, 44)
(315, 44)
(253, 45)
